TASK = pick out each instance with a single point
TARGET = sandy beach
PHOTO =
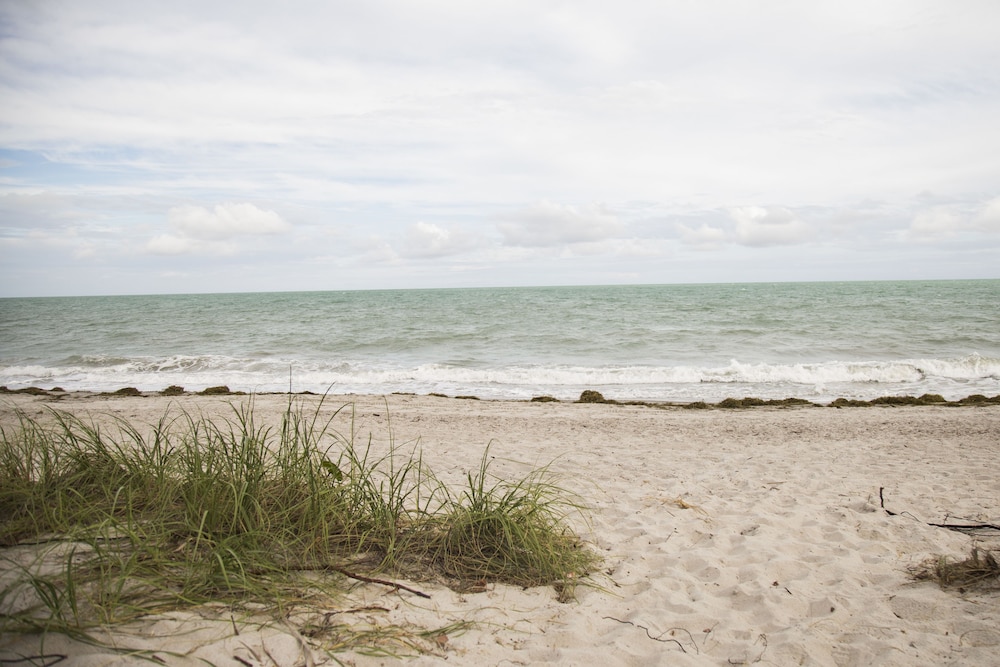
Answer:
(768, 536)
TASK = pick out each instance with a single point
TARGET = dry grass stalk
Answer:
(979, 571)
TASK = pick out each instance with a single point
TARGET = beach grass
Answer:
(106, 521)
(980, 571)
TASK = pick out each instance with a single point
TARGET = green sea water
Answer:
(645, 342)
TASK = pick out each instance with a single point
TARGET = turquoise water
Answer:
(657, 342)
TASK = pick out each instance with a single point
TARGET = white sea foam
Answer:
(953, 378)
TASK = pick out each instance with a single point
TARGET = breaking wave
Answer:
(953, 378)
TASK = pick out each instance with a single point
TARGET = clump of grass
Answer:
(129, 523)
(510, 531)
(979, 571)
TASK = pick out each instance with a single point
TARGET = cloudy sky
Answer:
(238, 146)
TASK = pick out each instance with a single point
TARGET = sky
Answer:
(181, 147)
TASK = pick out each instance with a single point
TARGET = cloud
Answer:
(85, 250)
(375, 250)
(429, 240)
(394, 121)
(934, 223)
(46, 209)
(215, 231)
(167, 244)
(946, 221)
(758, 226)
(988, 219)
(547, 224)
(704, 237)
(225, 221)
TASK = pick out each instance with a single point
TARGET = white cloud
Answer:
(38, 210)
(225, 221)
(168, 244)
(630, 248)
(768, 226)
(946, 221)
(374, 117)
(428, 240)
(375, 250)
(988, 219)
(216, 231)
(546, 224)
(936, 222)
(85, 250)
(705, 237)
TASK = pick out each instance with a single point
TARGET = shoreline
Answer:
(776, 535)
(587, 396)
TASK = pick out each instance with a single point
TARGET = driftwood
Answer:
(326, 567)
(960, 527)
(382, 582)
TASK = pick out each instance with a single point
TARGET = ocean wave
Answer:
(952, 378)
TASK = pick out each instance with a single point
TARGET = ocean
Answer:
(818, 341)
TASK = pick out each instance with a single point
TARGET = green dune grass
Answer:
(124, 520)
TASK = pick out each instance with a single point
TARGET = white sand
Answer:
(729, 537)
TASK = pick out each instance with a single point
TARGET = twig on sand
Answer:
(659, 637)
(383, 582)
(960, 527)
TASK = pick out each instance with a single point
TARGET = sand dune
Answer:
(728, 536)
